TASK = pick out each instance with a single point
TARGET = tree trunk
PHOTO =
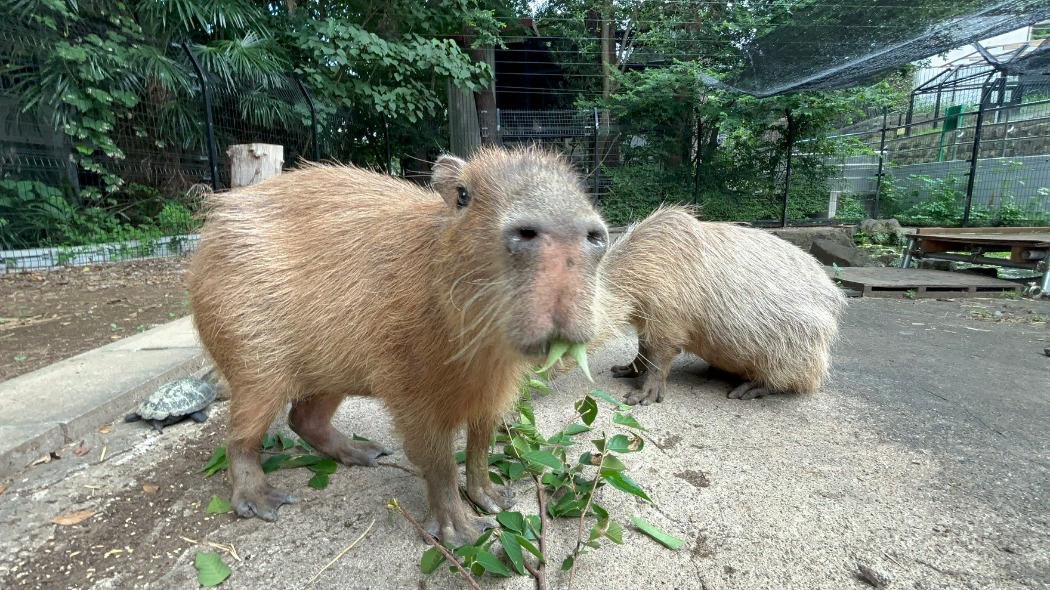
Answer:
(254, 162)
(485, 100)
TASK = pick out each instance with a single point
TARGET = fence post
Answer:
(213, 156)
(313, 118)
(985, 93)
(787, 172)
(882, 157)
(597, 155)
(699, 147)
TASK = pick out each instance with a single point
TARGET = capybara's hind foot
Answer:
(649, 393)
(749, 390)
(262, 501)
(357, 452)
(463, 529)
(491, 499)
(624, 371)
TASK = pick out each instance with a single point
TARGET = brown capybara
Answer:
(742, 299)
(333, 281)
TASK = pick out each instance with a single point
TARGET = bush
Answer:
(636, 190)
(34, 214)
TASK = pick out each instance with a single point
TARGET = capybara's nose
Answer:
(528, 236)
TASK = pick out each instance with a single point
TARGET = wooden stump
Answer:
(254, 162)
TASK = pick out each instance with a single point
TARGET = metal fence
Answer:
(577, 134)
(986, 166)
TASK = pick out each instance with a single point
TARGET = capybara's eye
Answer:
(464, 197)
(596, 238)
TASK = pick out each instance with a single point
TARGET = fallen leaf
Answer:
(73, 518)
(81, 451)
(105, 429)
(150, 488)
(2, 488)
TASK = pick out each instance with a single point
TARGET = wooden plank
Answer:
(893, 282)
(982, 230)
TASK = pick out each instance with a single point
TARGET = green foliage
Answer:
(639, 187)
(570, 484)
(283, 452)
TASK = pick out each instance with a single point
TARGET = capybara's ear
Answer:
(446, 177)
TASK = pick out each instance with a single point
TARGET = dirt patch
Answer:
(49, 316)
(135, 535)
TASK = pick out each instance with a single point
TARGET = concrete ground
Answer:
(926, 456)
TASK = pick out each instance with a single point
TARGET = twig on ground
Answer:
(341, 553)
(227, 548)
(393, 505)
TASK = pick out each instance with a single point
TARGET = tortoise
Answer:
(182, 398)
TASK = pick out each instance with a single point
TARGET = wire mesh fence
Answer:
(989, 166)
(577, 134)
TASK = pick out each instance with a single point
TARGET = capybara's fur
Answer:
(333, 281)
(742, 299)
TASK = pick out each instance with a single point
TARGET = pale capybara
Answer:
(332, 281)
(742, 299)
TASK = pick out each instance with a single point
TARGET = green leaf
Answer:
(218, 506)
(611, 462)
(512, 548)
(605, 396)
(496, 478)
(216, 463)
(654, 532)
(579, 352)
(545, 458)
(287, 442)
(431, 560)
(567, 564)
(624, 483)
(588, 409)
(359, 437)
(300, 461)
(274, 463)
(460, 457)
(211, 571)
(319, 481)
(574, 429)
(620, 443)
(525, 543)
(269, 440)
(324, 466)
(627, 420)
(539, 385)
(558, 349)
(512, 521)
(615, 533)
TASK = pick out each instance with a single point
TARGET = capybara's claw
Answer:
(749, 390)
(491, 499)
(650, 392)
(262, 503)
(623, 371)
(458, 531)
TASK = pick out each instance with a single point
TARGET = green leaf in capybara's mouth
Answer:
(577, 350)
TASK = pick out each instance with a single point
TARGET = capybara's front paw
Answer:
(458, 529)
(650, 392)
(490, 498)
(624, 371)
(749, 390)
(262, 501)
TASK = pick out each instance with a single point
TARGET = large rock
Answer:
(803, 237)
(831, 252)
